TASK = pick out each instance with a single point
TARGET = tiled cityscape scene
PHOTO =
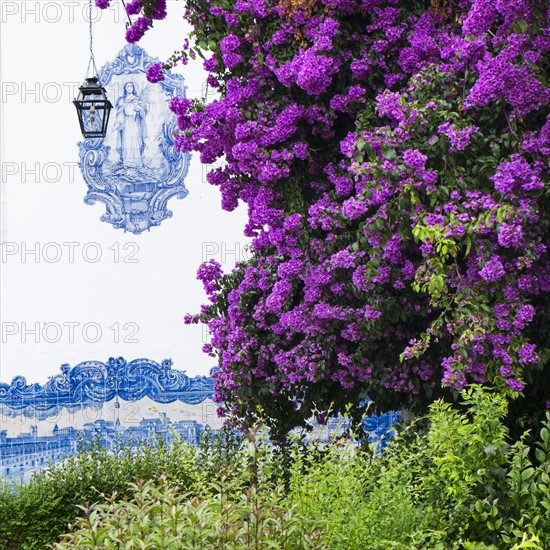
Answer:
(115, 404)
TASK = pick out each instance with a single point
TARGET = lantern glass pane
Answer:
(105, 119)
(91, 96)
(98, 121)
(93, 120)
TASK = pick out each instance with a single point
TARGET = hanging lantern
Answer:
(92, 105)
(93, 108)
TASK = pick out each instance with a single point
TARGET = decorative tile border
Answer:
(92, 382)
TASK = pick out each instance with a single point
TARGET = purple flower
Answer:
(211, 64)
(155, 73)
(292, 222)
(506, 371)
(209, 273)
(229, 43)
(371, 313)
(352, 208)
(314, 71)
(300, 150)
(515, 385)
(538, 141)
(414, 158)
(527, 354)
(137, 30)
(290, 269)
(134, 7)
(525, 314)
(232, 19)
(343, 259)
(453, 375)
(102, 4)
(189, 319)
(180, 105)
(480, 17)
(278, 297)
(459, 139)
(435, 220)
(500, 77)
(517, 172)
(510, 236)
(493, 270)
(159, 10)
(391, 105)
(231, 59)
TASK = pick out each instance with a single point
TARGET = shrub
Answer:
(392, 155)
(457, 483)
(449, 481)
(37, 513)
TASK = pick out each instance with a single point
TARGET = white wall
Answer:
(44, 54)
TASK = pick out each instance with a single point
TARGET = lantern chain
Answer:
(92, 58)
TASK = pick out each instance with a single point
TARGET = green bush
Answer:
(454, 485)
(35, 514)
(235, 501)
(452, 480)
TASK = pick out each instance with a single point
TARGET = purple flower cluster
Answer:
(517, 174)
(394, 167)
(493, 270)
(155, 73)
(158, 10)
(151, 10)
(209, 273)
(135, 32)
(134, 7)
(459, 139)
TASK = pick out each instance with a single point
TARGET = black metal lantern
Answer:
(93, 108)
(92, 105)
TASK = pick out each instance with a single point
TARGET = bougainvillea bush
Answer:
(393, 156)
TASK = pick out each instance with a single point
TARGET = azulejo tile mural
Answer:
(115, 403)
(134, 171)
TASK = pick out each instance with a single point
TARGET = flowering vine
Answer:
(393, 156)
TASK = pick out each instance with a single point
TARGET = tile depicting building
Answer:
(118, 403)
(112, 404)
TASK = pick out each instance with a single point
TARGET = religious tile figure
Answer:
(131, 111)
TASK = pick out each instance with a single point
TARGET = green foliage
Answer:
(159, 517)
(238, 506)
(30, 516)
(418, 494)
(35, 514)
(452, 480)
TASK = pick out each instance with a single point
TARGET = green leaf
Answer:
(540, 455)
(527, 473)
(389, 152)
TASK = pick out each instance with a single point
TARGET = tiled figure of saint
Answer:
(131, 110)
